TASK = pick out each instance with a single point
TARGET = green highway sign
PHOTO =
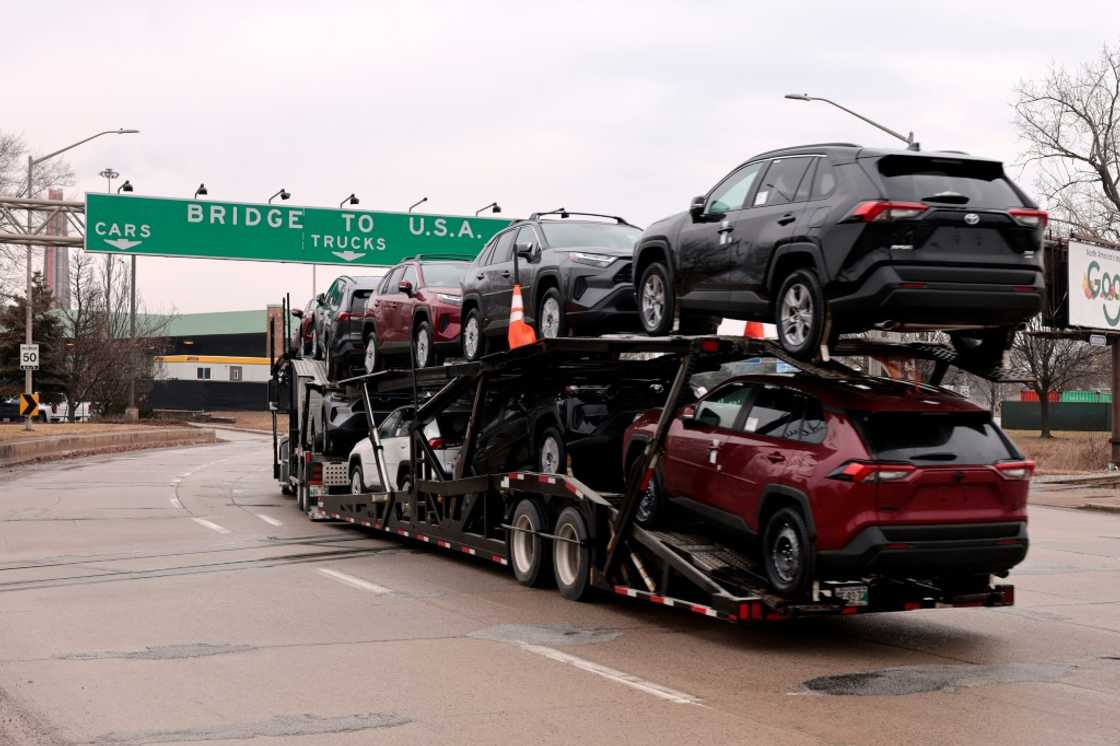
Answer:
(119, 224)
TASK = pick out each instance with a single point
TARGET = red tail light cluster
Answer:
(316, 473)
(1015, 469)
(436, 443)
(881, 211)
(862, 471)
(343, 316)
(1029, 218)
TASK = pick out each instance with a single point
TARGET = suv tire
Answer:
(800, 314)
(551, 321)
(552, 456)
(423, 346)
(656, 302)
(371, 358)
(651, 504)
(985, 347)
(474, 341)
(788, 553)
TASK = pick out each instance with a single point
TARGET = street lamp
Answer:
(283, 194)
(201, 191)
(910, 144)
(125, 187)
(109, 174)
(351, 200)
(417, 204)
(131, 411)
(493, 205)
(31, 163)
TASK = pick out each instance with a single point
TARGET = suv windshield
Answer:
(946, 180)
(443, 275)
(599, 235)
(929, 438)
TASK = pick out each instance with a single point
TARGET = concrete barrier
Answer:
(74, 444)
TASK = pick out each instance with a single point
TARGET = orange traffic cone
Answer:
(520, 333)
(754, 330)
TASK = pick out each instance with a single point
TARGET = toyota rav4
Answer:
(844, 479)
(825, 239)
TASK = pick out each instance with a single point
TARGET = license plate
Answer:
(853, 595)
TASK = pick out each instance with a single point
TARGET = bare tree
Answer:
(1070, 122)
(100, 357)
(13, 183)
(1053, 362)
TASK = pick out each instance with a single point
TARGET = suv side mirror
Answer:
(321, 298)
(405, 287)
(527, 251)
(696, 207)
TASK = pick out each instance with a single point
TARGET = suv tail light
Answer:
(1015, 469)
(436, 443)
(861, 471)
(881, 211)
(343, 316)
(1030, 218)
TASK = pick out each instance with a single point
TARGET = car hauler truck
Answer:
(553, 528)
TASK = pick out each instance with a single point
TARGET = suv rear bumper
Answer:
(927, 551)
(942, 295)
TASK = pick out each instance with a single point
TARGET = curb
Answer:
(70, 446)
(231, 428)
(1101, 507)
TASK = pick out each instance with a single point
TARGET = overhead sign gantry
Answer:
(120, 224)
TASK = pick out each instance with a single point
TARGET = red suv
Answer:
(417, 305)
(836, 479)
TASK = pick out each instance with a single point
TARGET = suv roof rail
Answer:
(435, 256)
(564, 214)
(810, 145)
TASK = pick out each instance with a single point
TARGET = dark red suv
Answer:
(415, 307)
(840, 479)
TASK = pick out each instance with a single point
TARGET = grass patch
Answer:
(15, 431)
(1065, 453)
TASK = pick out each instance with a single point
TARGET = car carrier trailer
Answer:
(553, 528)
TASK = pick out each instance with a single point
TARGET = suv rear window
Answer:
(929, 438)
(912, 178)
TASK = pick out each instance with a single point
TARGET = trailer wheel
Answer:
(527, 555)
(285, 489)
(571, 556)
(788, 553)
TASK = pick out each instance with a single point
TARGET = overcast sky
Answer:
(630, 109)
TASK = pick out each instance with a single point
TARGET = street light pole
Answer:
(109, 174)
(910, 144)
(31, 163)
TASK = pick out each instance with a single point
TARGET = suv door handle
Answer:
(480, 276)
(786, 219)
(775, 458)
(507, 273)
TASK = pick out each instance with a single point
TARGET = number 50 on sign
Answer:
(29, 356)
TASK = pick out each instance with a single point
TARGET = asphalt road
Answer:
(175, 596)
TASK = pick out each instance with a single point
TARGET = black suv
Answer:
(574, 272)
(337, 328)
(837, 238)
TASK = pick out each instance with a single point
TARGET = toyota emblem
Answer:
(971, 218)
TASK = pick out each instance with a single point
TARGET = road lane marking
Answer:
(211, 525)
(268, 519)
(176, 504)
(353, 582)
(619, 677)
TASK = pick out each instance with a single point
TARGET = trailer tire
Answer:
(571, 561)
(788, 553)
(527, 554)
(286, 489)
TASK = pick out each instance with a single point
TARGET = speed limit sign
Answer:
(29, 357)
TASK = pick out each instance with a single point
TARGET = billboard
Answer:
(1094, 287)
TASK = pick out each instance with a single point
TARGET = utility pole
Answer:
(1115, 400)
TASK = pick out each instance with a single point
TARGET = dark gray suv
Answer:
(824, 239)
(574, 272)
(339, 316)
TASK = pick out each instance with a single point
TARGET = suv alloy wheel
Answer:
(423, 348)
(551, 317)
(800, 314)
(472, 336)
(655, 300)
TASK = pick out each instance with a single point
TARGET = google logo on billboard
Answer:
(1098, 284)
